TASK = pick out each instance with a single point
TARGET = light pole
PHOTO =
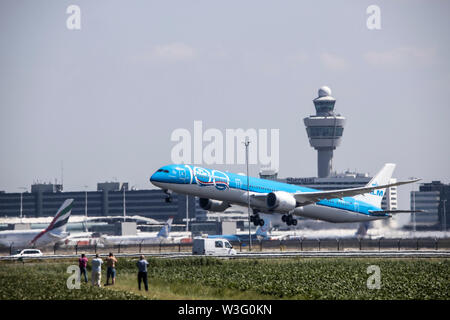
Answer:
(414, 213)
(187, 213)
(124, 204)
(247, 143)
(21, 202)
(85, 208)
(445, 218)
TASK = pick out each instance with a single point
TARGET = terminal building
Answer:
(110, 199)
(432, 198)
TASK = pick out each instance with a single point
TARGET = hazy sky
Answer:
(105, 99)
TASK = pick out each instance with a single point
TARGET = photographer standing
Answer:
(142, 272)
(111, 269)
(96, 271)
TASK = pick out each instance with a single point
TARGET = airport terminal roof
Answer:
(77, 219)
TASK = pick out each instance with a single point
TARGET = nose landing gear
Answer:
(289, 220)
(168, 197)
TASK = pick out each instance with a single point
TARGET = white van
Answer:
(212, 247)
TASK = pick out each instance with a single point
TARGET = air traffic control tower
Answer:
(324, 130)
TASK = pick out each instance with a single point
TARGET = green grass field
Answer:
(209, 278)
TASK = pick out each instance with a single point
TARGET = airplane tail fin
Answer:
(59, 223)
(164, 232)
(383, 177)
(263, 231)
(362, 230)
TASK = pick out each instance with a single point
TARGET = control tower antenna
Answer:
(324, 130)
(62, 175)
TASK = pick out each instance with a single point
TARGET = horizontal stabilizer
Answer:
(55, 236)
(383, 212)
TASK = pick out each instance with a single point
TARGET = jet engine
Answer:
(213, 205)
(281, 201)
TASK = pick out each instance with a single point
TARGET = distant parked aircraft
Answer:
(260, 234)
(56, 231)
(162, 236)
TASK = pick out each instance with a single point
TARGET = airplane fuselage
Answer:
(126, 240)
(55, 231)
(23, 238)
(232, 188)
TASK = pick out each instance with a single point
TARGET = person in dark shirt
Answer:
(82, 263)
(142, 272)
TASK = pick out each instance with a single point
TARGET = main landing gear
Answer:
(289, 220)
(257, 221)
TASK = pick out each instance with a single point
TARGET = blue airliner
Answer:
(218, 190)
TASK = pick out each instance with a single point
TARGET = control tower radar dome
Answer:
(324, 91)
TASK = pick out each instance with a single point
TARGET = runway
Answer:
(271, 255)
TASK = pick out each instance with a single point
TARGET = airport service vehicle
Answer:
(212, 247)
(28, 253)
(218, 190)
(56, 231)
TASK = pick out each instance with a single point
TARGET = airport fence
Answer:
(346, 245)
(257, 245)
(102, 249)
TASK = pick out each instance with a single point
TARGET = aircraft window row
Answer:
(259, 187)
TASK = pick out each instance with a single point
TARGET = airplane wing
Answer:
(305, 198)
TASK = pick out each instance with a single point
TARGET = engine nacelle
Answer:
(281, 201)
(213, 205)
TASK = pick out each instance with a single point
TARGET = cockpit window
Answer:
(163, 170)
(166, 171)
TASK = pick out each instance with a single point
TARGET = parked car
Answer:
(28, 253)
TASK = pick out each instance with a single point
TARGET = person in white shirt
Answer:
(96, 271)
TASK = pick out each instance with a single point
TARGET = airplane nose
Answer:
(153, 177)
(156, 177)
